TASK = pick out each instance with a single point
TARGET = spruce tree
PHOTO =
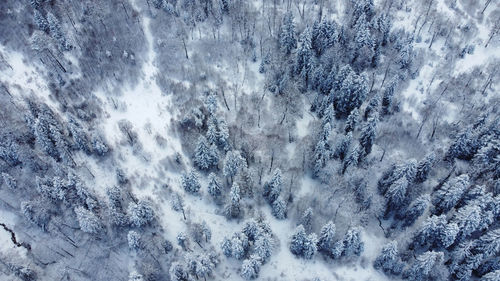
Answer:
(250, 268)
(415, 210)
(190, 182)
(396, 195)
(203, 157)
(40, 21)
(450, 193)
(307, 219)
(326, 238)
(233, 208)
(387, 98)
(140, 214)
(263, 247)
(304, 63)
(279, 208)
(214, 186)
(232, 163)
(352, 121)
(288, 40)
(272, 188)
(342, 146)
(87, 220)
(353, 246)
(352, 91)
(372, 107)
(424, 265)
(388, 261)
(424, 167)
(367, 137)
(468, 219)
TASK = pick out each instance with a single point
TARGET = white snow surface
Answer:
(147, 106)
(151, 112)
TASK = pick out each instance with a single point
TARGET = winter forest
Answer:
(199, 140)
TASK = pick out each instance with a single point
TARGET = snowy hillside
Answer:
(249, 140)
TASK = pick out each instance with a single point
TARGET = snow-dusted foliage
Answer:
(140, 213)
(87, 220)
(249, 140)
(190, 182)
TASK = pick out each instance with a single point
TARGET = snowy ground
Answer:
(151, 112)
(418, 89)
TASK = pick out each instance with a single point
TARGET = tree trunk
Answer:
(224, 97)
(486, 6)
(185, 48)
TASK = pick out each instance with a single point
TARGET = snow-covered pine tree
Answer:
(250, 267)
(415, 210)
(279, 208)
(352, 121)
(324, 34)
(368, 132)
(326, 238)
(40, 21)
(223, 135)
(134, 240)
(352, 92)
(227, 247)
(342, 146)
(57, 33)
(492, 276)
(424, 167)
(232, 163)
(9, 153)
(204, 157)
(468, 219)
(307, 219)
(436, 232)
(372, 107)
(211, 135)
(353, 245)
(99, 146)
(140, 213)
(465, 145)
(87, 220)
(424, 266)
(450, 193)
(387, 98)
(310, 246)
(396, 195)
(272, 188)
(178, 272)
(297, 241)
(239, 246)
(233, 207)
(389, 261)
(353, 159)
(320, 157)
(362, 37)
(263, 247)
(304, 59)
(288, 40)
(214, 186)
(190, 182)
